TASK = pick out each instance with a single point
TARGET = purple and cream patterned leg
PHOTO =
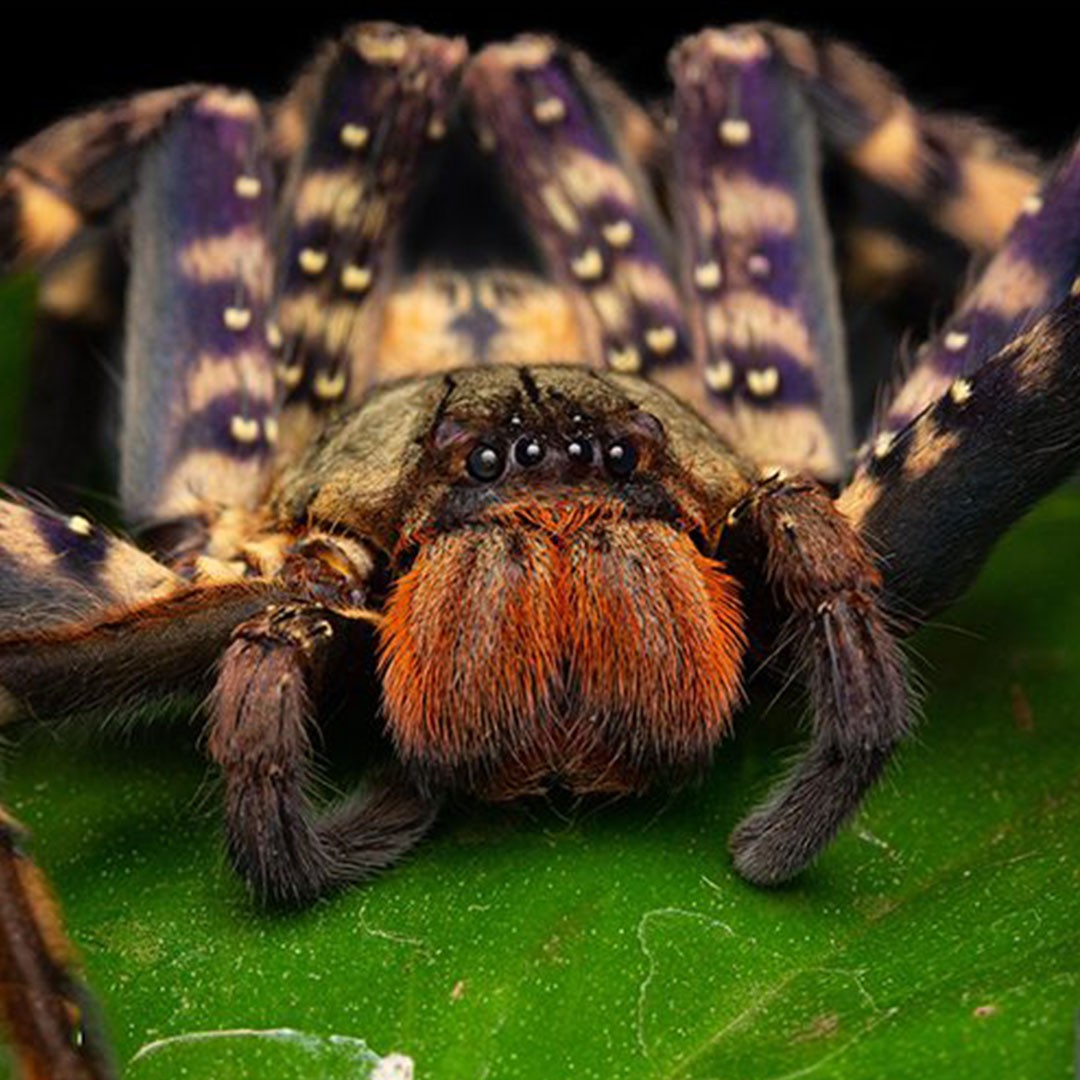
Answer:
(80, 170)
(198, 404)
(762, 295)
(1034, 270)
(355, 130)
(587, 202)
(969, 179)
(935, 500)
(62, 199)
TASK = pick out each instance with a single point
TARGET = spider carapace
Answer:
(467, 362)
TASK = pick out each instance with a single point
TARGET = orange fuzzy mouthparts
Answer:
(564, 640)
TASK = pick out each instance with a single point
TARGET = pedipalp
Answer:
(826, 592)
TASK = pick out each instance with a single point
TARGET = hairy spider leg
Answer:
(826, 590)
(918, 193)
(198, 419)
(967, 178)
(62, 196)
(354, 131)
(935, 498)
(78, 172)
(757, 263)
(87, 621)
(1032, 272)
(261, 711)
(58, 569)
(539, 106)
(44, 1008)
(199, 356)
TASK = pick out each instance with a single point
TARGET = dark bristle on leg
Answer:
(287, 853)
(42, 1005)
(824, 581)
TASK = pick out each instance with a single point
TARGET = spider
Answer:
(470, 366)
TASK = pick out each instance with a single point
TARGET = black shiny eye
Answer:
(528, 451)
(486, 462)
(579, 451)
(620, 457)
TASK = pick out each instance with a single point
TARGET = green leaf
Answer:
(938, 937)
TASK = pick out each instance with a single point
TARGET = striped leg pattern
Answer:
(86, 621)
(44, 1008)
(199, 421)
(988, 420)
(354, 131)
(63, 196)
(585, 196)
(758, 272)
(967, 178)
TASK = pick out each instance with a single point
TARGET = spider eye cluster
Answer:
(490, 457)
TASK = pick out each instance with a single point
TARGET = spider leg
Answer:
(354, 130)
(63, 198)
(261, 709)
(123, 656)
(825, 587)
(760, 283)
(934, 499)
(572, 160)
(984, 425)
(76, 312)
(43, 1007)
(57, 569)
(198, 419)
(79, 171)
(1031, 273)
(967, 178)
(88, 620)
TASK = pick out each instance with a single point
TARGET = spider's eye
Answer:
(529, 451)
(621, 457)
(579, 451)
(486, 462)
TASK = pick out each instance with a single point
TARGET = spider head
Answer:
(552, 596)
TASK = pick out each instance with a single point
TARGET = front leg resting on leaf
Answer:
(824, 583)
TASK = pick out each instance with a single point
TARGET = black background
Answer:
(1016, 65)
